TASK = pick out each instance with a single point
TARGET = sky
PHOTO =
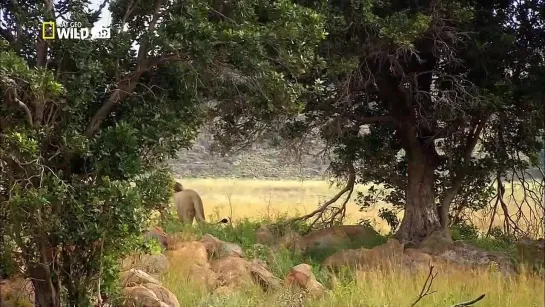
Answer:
(105, 18)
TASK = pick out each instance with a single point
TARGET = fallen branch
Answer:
(426, 287)
(320, 211)
(470, 302)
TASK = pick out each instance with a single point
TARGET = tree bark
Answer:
(421, 217)
(45, 294)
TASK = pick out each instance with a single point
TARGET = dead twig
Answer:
(426, 287)
(470, 302)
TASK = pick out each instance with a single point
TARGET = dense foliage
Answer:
(87, 126)
(429, 99)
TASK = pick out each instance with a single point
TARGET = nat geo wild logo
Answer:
(72, 30)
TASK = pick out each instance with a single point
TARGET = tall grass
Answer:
(251, 202)
(396, 287)
(246, 198)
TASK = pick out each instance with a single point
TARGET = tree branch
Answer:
(124, 89)
(348, 188)
(8, 36)
(127, 85)
(465, 304)
(472, 140)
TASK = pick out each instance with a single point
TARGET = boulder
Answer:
(463, 254)
(301, 277)
(467, 255)
(264, 235)
(383, 256)
(325, 239)
(134, 277)
(203, 276)
(140, 296)
(157, 233)
(236, 273)
(292, 241)
(163, 294)
(232, 272)
(188, 253)
(336, 237)
(263, 277)
(153, 264)
(217, 248)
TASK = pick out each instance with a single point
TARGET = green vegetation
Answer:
(348, 288)
(87, 127)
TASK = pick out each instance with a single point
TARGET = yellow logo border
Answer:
(44, 34)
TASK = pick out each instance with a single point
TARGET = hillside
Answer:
(260, 161)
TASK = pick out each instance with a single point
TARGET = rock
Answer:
(326, 238)
(203, 276)
(417, 256)
(386, 255)
(163, 294)
(153, 264)
(236, 273)
(264, 235)
(188, 253)
(134, 277)
(158, 234)
(291, 241)
(142, 297)
(466, 255)
(359, 233)
(532, 252)
(437, 241)
(218, 248)
(263, 277)
(336, 237)
(232, 272)
(301, 276)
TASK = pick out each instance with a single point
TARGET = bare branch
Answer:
(426, 287)
(348, 188)
(465, 304)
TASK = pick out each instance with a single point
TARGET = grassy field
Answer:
(238, 198)
(259, 200)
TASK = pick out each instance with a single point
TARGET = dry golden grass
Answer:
(377, 288)
(240, 198)
(256, 199)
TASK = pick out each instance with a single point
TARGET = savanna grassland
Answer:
(253, 198)
(249, 202)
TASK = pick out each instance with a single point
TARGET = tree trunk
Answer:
(421, 217)
(45, 294)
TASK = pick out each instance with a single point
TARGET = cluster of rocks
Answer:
(222, 267)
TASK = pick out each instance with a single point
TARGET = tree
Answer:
(427, 99)
(87, 126)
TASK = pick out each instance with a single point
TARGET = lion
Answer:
(178, 187)
(189, 206)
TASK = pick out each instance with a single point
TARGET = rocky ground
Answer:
(260, 161)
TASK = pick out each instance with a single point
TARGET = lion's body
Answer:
(189, 206)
